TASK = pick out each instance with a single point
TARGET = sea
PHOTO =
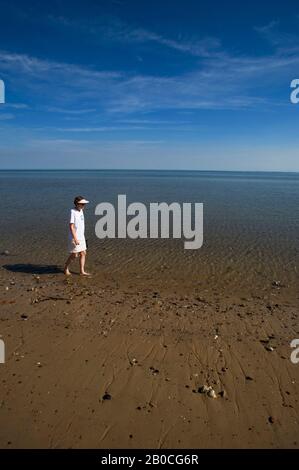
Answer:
(250, 224)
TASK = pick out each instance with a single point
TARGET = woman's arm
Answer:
(73, 232)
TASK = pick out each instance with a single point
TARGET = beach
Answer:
(162, 347)
(118, 362)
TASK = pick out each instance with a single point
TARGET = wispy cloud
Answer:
(220, 81)
(37, 67)
(121, 128)
(73, 112)
(206, 47)
(272, 33)
(97, 129)
(153, 122)
(15, 106)
(52, 82)
(113, 29)
(92, 144)
(6, 116)
(72, 154)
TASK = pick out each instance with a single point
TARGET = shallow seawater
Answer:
(251, 223)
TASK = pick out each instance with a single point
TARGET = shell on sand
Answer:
(212, 394)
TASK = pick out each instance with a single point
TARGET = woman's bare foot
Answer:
(85, 274)
(67, 272)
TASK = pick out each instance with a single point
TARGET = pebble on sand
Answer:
(277, 284)
(107, 396)
(205, 389)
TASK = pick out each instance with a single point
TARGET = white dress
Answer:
(77, 218)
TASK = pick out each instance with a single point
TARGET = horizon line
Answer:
(150, 169)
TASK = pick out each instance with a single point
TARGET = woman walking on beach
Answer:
(77, 242)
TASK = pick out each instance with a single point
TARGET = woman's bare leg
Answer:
(82, 264)
(67, 263)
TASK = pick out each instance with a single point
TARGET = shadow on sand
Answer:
(33, 268)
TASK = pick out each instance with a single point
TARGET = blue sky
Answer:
(148, 84)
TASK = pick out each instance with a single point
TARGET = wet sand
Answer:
(118, 361)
